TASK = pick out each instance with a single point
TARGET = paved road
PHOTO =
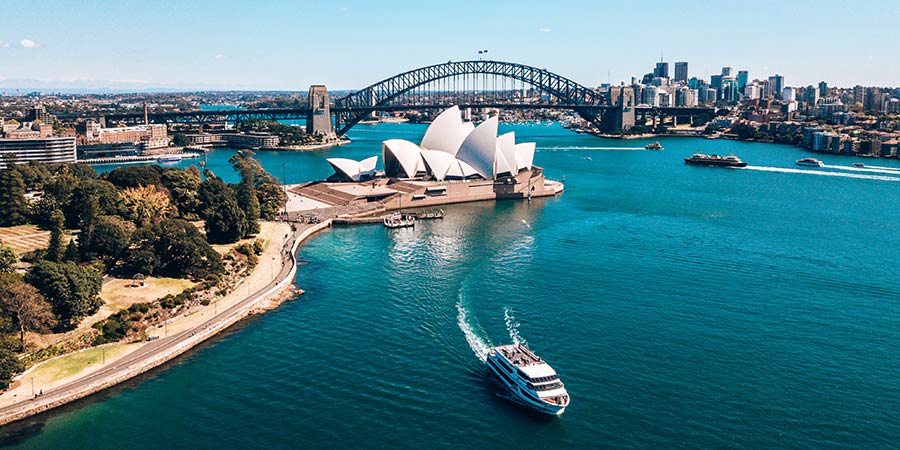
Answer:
(148, 352)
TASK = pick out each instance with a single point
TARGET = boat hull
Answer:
(519, 394)
(712, 163)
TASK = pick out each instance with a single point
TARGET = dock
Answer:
(137, 159)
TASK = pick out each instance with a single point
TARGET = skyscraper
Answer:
(776, 85)
(661, 70)
(743, 78)
(823, 89)
(681, 71)
(726, 71)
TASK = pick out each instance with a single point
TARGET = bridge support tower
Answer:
(319, 119)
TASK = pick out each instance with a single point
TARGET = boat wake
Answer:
(558, 149)
(472, 331)
(866, 169)
(513, 327)
(821, 173)
(892, 169)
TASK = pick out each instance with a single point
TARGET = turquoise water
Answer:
(684, 307)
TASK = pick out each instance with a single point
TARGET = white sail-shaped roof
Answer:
(506, 154)
(354, 170)
(446, 133)
(439, 163)
(525, 155)
(479, 148)
(401, 158)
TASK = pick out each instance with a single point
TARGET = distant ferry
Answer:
(859, 165)
(699, 159)
(531, 380)
(653, 146)
(810, 162)
(169, 159)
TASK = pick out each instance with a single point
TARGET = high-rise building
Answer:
(681, 71)
(726, 71)
(661, 70)
(39, 114)
(823, 89)
(776, 85)
(811, 96)
(789, 94)
(47, 150)
(743, 77)
(859, 94)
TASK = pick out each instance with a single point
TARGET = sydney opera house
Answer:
(456, 161)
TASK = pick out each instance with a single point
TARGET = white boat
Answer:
(169, 159)
(528, 378)
(810, 162)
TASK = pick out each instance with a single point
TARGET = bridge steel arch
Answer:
(365, 101)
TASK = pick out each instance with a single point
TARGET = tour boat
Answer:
(653, 146)
(699, 159)
(399, 221)
(810, 162)
(169, 159)
(528, 378)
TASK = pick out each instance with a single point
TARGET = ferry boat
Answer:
(653, 146)
(528, 378)
(169, 159)
(810, 162)
(699, 159)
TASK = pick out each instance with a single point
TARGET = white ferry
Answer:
(531, 380)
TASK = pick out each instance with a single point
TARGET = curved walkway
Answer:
(153, 354)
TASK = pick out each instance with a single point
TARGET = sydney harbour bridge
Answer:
(475, 84)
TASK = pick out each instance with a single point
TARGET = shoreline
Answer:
(309, 147)
(152, 354)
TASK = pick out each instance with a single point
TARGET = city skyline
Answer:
(288, 46)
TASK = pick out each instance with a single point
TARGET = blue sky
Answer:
(289, 45)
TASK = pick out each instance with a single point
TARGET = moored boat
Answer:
(810, 162)
(530, 380)
(699, 159)
(169, 159)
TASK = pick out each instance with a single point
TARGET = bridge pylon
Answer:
(319, 119)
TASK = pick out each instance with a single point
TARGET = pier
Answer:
(139, 159)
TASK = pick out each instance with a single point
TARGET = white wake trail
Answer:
(822, 173)
(479, 345)
(513, 328)
(590, 148)
(886, 170)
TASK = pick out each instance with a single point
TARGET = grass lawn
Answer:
(66, 366)
(118, 293)
(25, 238)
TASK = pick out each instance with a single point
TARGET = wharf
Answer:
(137, 159)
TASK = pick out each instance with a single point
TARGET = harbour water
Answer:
(684, 307)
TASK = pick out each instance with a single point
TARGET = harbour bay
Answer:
(682, 306)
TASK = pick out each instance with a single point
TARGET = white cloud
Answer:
(343, 9)
(219, 56)
(544, 30)
(4, 44)
(28, 43)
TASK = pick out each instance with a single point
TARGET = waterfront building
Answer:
(454, 149)
(149, 136)
(46, 150)
(681, 71)
(241, 140)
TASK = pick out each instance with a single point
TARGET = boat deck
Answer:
(519, 355)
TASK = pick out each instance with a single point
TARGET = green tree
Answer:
(180, 140)
(54, 250)
(10, 365)
(269, 191)
(249, 203)
(26, 306)
(73, 290)
(12, 198)
(90, 199)
(173, 248)
(183, 187)
(8, 259)
(227, 223)
(134, 176)
(110, 238)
